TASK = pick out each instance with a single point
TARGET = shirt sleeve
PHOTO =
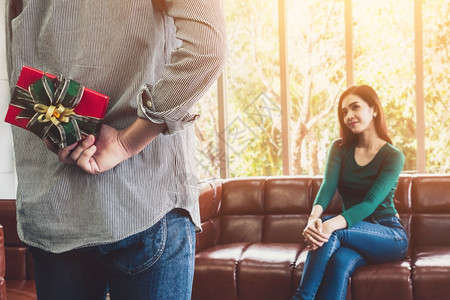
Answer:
(331, 176)
(385, 182)
(12, 10)
(194, 66)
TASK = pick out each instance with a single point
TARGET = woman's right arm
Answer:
(314, 237)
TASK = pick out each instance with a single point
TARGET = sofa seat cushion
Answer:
(431, 272)
(383, 281)
(246, 271)
(20, 290)
(216, 270)
(389, 277)
(266, 271)
(16, 263)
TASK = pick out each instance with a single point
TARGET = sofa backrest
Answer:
(268, 209)
(431, 211)
(264, 209)
(276, 209)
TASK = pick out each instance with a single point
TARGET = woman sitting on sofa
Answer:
(364, 167)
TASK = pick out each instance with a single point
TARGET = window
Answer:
(384, 59)
(329, 44)
(316, 63)
(253, 88)
(436, 52)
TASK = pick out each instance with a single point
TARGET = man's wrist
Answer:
(139, 134)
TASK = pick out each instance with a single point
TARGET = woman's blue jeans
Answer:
(155, 264)
(327, 269)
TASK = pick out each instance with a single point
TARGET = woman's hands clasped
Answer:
(316, 233)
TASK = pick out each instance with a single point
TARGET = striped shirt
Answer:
(154, 61)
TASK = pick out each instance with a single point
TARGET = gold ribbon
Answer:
(55, 114)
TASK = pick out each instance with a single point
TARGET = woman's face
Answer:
(357, 114)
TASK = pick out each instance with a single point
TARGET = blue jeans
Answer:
(155, 264)
(327, 269)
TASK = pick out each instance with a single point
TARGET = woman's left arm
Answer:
(333, 224)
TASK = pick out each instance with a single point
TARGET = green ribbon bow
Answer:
(49, 104)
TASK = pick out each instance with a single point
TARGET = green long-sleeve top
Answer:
(366, 191)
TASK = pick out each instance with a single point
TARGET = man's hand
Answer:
(97, 156)
(111, 147)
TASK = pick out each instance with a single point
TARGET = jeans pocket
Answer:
(144, 252)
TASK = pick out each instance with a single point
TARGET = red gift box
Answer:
(91, 104)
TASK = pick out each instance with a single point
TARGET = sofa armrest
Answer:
(2, 266)
(209, 202)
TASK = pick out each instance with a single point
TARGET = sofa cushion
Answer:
(383, 281)
(16, 263)
(431, 206)
(241, 228)
(21, 290)
(431, 230)
(284, 228)
(243, 197)
(431, 272)
(216, 271)
(430, 195)
(263, 266)
(288, 195)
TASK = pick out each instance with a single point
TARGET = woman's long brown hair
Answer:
(369, 95)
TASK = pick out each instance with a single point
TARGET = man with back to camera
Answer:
(115, 212)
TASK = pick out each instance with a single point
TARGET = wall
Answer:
(7, 169)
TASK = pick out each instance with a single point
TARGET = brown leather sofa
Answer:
(251, 245)
(2, 267)
(19, 272)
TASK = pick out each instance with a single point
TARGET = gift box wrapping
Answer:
(55, 108)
